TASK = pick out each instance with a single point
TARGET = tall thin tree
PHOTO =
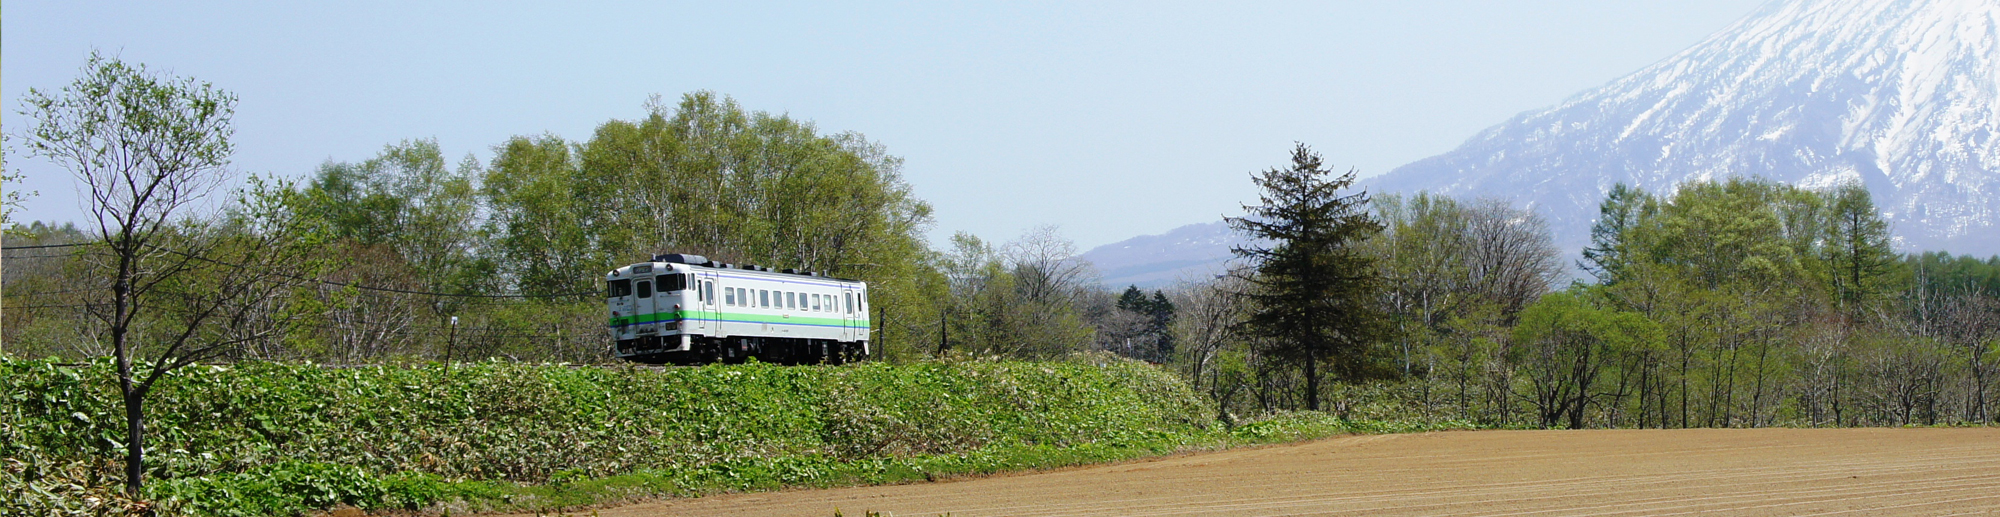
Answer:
(1314, 289)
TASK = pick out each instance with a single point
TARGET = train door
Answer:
(705, 310)
(848, 317)
(644, 312)
(618, 296)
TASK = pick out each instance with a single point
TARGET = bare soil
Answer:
(1483, 473)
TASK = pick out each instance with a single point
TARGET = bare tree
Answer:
(1204, 330)
(1513, 258)
(1046, 266)
(148, 148)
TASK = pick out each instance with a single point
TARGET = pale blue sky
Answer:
(1109, 119)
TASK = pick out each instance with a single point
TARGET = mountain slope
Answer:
(1899, 95)
(1194, 252)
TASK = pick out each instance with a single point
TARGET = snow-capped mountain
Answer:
(1900, 95)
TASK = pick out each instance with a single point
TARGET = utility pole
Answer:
(944, 331)
(451, 338)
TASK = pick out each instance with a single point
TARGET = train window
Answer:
(729, 296)
(708, 291)
(671, 283)
(791, 300)
(850, 303)
(645, 289)
(818, 305)
(619, 288)
(763, 298)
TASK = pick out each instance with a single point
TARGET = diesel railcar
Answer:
(686, 309)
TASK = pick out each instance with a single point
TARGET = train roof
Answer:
(698, 261)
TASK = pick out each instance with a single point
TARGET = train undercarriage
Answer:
(707, 350)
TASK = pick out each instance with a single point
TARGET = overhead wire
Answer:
(45, 246)
(328, 282)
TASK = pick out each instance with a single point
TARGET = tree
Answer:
(1314, 291)
(546, 220)
(1565, 345)
(177, 290)
(1612, 243)
(1858, 248)
(1139, 325)
(409, 200)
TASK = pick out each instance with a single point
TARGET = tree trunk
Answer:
(135, 439)
(1312, 381)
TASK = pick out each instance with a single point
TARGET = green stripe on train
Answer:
(736, 317)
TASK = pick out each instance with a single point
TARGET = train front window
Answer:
(619, 288)
(671, 283)
(645, 289)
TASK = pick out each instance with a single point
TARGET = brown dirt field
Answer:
(1484, 473)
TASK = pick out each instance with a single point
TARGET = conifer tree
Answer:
(1611, 248)
(1859, 251)
(1313, 291)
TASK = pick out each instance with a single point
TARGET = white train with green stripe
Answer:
(687, 309)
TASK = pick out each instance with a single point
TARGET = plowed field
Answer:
(1485, 473)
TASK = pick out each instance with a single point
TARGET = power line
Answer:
(44, 246)
(327, 282)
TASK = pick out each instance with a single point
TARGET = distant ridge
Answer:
(1193, 252)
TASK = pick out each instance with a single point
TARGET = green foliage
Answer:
(1940, 272)
(1563, 347)
(1019, 300)
(1289, 426)
(410, 203)
(266, 438)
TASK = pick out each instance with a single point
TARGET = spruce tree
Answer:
(1314, 289)
(1162, 312)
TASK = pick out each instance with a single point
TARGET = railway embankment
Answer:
(278, 439)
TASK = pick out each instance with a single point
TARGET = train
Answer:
(684, 309)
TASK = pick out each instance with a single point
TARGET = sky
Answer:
(1108, 120)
